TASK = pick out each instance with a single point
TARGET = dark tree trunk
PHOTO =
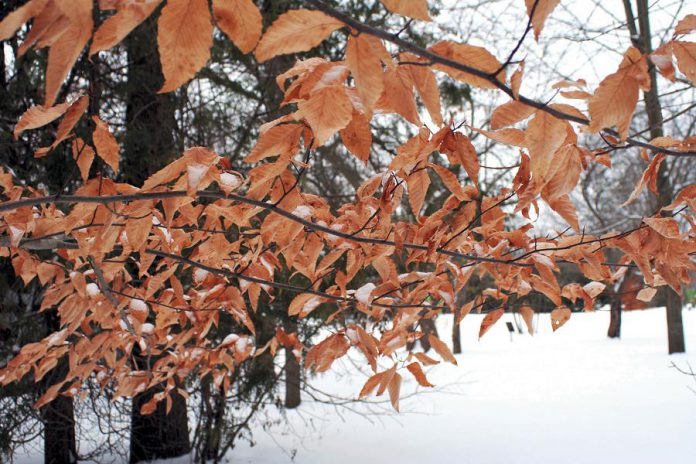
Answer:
(643, 41)
(456, 336)
(615, 317)
(58, 416)
(149, 140)
(59, 431)
(675, 326)
(292, 373)
(149, 144)
(158, 435)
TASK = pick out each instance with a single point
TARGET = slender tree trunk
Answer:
(615, 317)
(293, 373)
(456, 335)
(641, 37)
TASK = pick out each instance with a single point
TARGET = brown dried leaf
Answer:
(490, 319)
(241, 20)
(115, 28)
(417, 9)
(184, 38)
(442, 349)
(527, 314)
(559, 316)
(295, 31)
(541, 12)
(363, 60)
(106, 144)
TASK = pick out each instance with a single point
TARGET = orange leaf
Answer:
(425, 82)
(418, 183)
(184, 37)
(15, 20)
(71, 118)
(397, 96)
(559, 316)
(303, 304)
(667, 227)
(83, 156)
(646, 294)
(649, 177)
(363, 60)
(106, 144)
(686, 25)
(514, 137)
(241, 20)
(544, 135)
(39, 116)
(425, 359)
(117, 26)
(442, 349)
(473, 56)
(510, 113)
(417, 9)
(295, 31)
(357, 136)
(516, 80)
(394, 390)
(686, 58)
(415, 369)
(451, 182)
(527, 314)
(67, 47)
(541, 12)
(327, 111)
(278, 140)
(616, 97)
(488, 321)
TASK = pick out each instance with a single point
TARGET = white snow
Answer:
(572, 396)
(137, 305)
(303, 211)
(92, 289)
(363, 293)
(231, 181)
(195, 172)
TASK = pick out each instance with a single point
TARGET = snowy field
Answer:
(573, 396)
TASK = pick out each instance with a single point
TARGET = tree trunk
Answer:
(58, 416)
(292, 373)
(675, 329)
(148, 146)
(158, 435)
(615, 317)
(149, 142)
(59, 431)
(456, 336)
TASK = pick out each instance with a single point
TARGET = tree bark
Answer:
(293, 391)
(149, 144)
(158, 435)
(58, 416)
(456, 336)
(653, 108)
(615, 317)
(149, 141)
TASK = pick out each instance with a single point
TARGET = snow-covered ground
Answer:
(567, 397)
(573, 396)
